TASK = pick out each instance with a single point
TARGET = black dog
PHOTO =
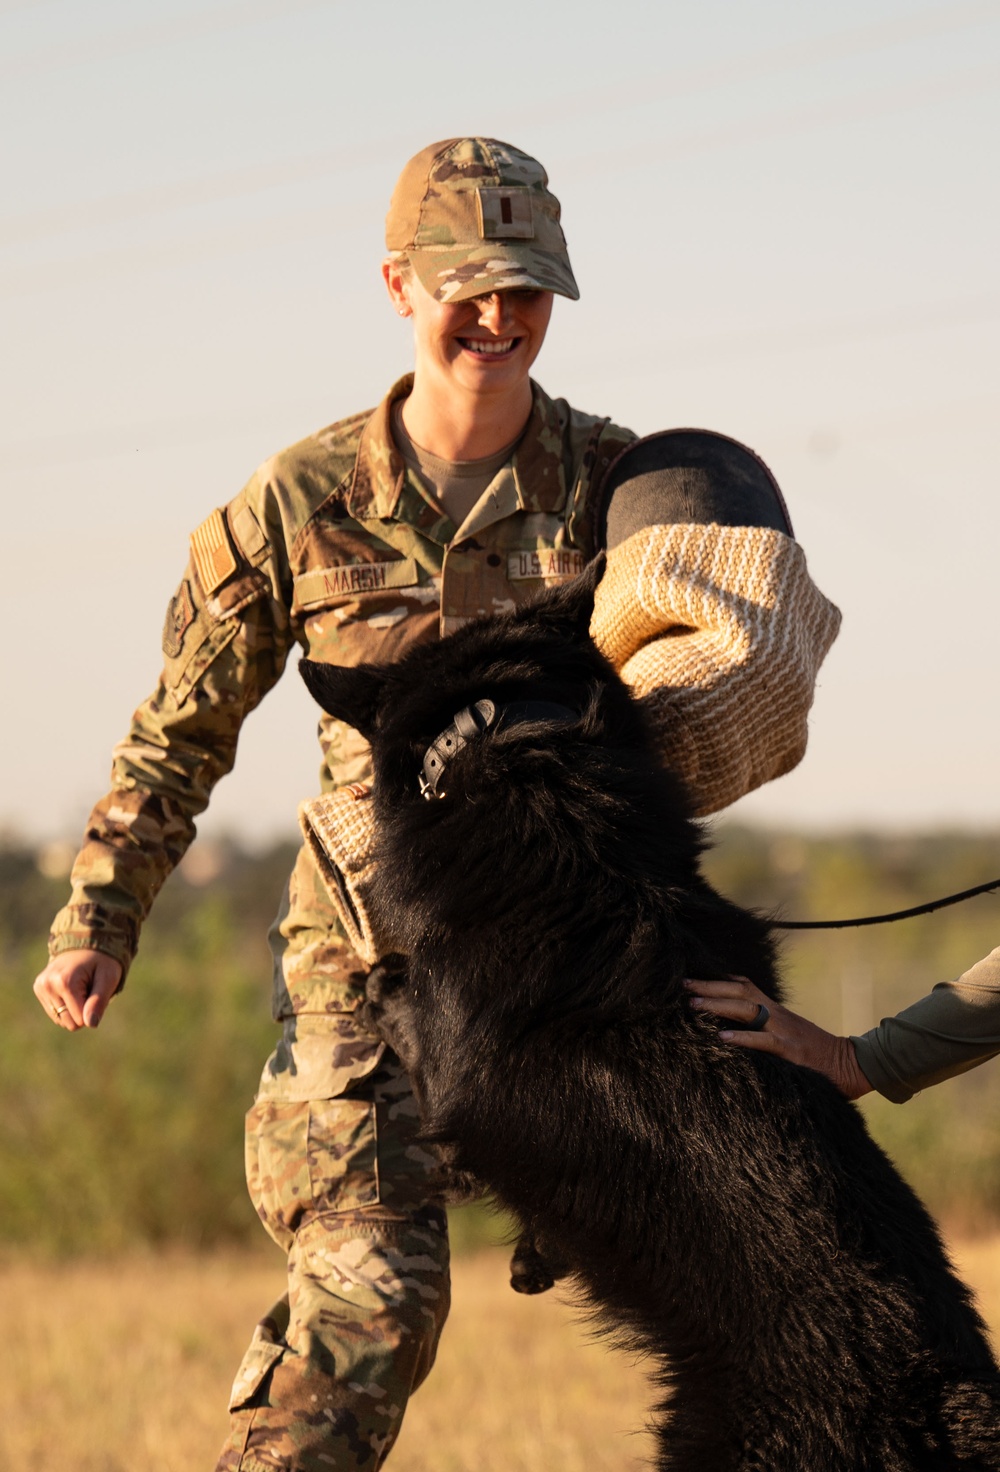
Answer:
(723, 1211)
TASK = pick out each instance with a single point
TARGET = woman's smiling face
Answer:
(484, 345)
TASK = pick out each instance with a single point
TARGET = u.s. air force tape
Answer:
(544, 562)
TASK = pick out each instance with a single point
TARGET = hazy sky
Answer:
(784, 221)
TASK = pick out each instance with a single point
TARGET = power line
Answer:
(792, 56)
(39, 223)
(253, 179)
(879, 103)
(15, 7)
(160, 33)
(189, 193)
(74, 448)
(78, 446)
(362, 215)
(933, 318)
(712, 348)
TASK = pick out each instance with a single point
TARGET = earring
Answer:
(402, 311)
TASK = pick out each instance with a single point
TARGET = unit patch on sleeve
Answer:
(214, 558)
(544, 562)
(319, 587)
(180, 616)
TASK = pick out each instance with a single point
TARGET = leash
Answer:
(928, 909)
(474, 720)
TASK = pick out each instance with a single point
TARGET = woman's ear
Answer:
(396, 278)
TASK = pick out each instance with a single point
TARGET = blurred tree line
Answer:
(133, 1134)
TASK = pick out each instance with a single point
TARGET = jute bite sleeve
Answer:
(720, 633)
(339, 828)
(718, 630)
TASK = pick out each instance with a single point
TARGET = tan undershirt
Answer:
(456, 485)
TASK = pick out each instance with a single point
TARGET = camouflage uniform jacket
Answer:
(335, 545)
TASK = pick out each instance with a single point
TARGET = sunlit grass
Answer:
(111, 1367)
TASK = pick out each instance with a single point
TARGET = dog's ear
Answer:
(350, 693)
(569, 609)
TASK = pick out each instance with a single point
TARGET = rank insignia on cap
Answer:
(505, 214)
(214, 558)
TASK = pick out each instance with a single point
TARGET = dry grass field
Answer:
(116, 1367)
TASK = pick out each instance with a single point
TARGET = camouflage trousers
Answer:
(343, 1184)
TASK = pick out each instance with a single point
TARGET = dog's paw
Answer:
(368, 1017)
(386, 976)
(532, 1271)
(530, 1278)
(390, 1011)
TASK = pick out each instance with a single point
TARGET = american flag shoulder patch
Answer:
(214, 558)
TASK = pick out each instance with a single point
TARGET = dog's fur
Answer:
(721, 1210)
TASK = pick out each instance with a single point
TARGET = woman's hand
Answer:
(76, 987)
(785, 1033)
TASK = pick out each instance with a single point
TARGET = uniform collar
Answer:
(382, 488)
(379, 468)
(538, 459)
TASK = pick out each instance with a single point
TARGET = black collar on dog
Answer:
(472, 721)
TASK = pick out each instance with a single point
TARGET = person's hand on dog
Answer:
(783, 1033)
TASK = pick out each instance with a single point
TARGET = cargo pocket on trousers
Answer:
(258, 1362)
(316, 1155)
(343, 1154)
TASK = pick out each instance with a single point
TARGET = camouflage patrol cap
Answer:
(474, 215)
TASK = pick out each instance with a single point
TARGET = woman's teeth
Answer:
(494, 349)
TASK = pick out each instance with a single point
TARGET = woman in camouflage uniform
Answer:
(465, 492)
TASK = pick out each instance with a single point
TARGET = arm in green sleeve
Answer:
(954, 1028)
(222, 652)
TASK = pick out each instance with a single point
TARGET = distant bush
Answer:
(134, 1133)
(946, 1140)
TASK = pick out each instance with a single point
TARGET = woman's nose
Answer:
(493, 311)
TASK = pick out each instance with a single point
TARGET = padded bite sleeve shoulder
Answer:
(688, 476)
(720, 632)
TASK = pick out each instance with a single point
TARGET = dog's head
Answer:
(518, 678)
(553, 788)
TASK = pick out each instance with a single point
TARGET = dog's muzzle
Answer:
(475, 720)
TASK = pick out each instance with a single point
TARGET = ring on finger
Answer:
(760, 1019)
(58, 1011)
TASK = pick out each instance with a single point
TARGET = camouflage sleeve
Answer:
(225, 643)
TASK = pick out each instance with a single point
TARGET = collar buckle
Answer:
(473, 721)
